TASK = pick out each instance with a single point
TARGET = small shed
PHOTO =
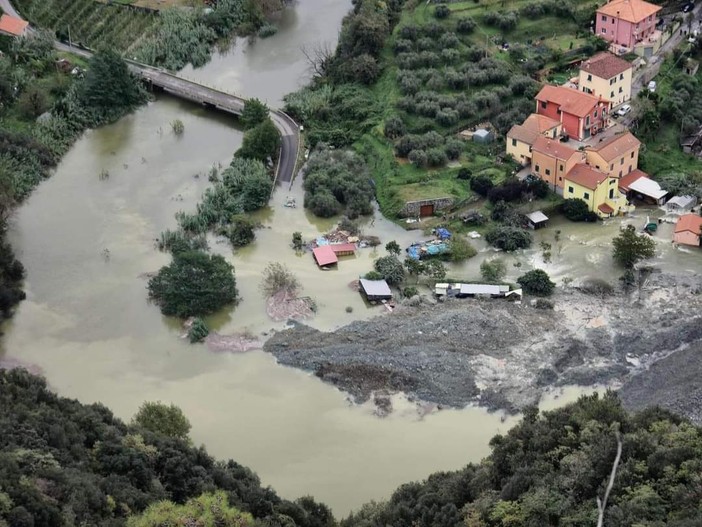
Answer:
(375, 290)
(690, 67)
(483, 290)
(681, 204)
(13, 27)
(324, 255)
(483, 136)
(537, 219)
(343, 249)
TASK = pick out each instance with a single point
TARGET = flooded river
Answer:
(86, 242)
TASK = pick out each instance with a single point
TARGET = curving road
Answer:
(192, 91)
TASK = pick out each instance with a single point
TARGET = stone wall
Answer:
(411, 208)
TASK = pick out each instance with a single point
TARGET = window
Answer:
(604, 30)
(620, 173)
(560, 178)
(586, 195)
(650, 18)
(561, 168)
(611, 193)
(587, 121)
(536, 168)
(611, 181)
(621, 76)
(632, 155)
(611, 167)
(629, 172)
(570, 190)
(604, 18)
(611, 94)
(621, 161)
(548, 172)
(595, 114)
(514, 142)
(543, 104)
(621, 90)
(611, 81)
(589, 77)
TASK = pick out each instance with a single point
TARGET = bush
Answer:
(597, 287)
(394, 127)
(255, 112)
(277, 277)
(631, 247)
(390, 269)
(178, 127)
(198, 331)
(436, 157)
(460, 249)
(481, 184)
(393, 248)
(297, 240)
(453, 149)
(442, 11)
(159, 418)
(418, 158)
(508, 238)
(241, 231)
(537, 283)
(465, 25)
(193, 284)
(575, 210)
(260, 142)
(373, 275)
(493, 270)
(410, 291)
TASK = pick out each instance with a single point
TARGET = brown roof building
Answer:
(633, 11)
(586, 176)
(605, 65)
(14, 27)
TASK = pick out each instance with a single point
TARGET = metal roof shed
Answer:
(537, 219)
(649, 188)
(375, 289)
(681, 203)
(324, 255)
(481, 289)
(482, 136)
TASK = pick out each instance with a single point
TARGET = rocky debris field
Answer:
(503, 355)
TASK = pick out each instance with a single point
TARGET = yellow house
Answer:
(551, 160)
(607, 76)
(616, 156)
(597, 189)
(521, 137)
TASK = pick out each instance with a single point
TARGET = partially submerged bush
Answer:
(277, 277)
(508, 238)
(198, 331)
(537, 283)
(493, 270)
(597, 287)
(241, 231)
(460, 249)
(390, 269)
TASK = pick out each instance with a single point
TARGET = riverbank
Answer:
(498, 354)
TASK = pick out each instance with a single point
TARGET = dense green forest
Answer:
(551, 468)
(63, 463)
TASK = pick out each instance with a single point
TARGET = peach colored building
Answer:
(626, 22)
(606, 75)
(13, 27)
(616, 156)
(581, 114)
(521, 137)
(551, 160)
(688, 230)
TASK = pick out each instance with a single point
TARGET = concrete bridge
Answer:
(216, 99)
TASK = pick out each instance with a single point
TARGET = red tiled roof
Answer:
(615, 146)
(569, 100)
(689, 222)
(630, 10)
(632, 176)
(540, 123)
(343, 247)
(586, 176)
(605, 65)
(606, 209)
(324, 255)
(523, 134)
(12, 26)
(553, 148)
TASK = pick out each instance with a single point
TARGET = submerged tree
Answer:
(631, 247)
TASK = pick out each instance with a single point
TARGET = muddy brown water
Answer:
(86, 241)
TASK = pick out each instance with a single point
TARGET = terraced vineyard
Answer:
(91, 23)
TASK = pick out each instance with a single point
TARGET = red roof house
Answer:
(581, 114)
(688, 230)
(343, 249)
(324, 255)
(14, 27)
(626, 22)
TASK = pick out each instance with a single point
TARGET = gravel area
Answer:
(499, 354)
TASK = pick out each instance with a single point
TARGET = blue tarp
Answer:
(322, 241)
(432, 249)
(443, 234)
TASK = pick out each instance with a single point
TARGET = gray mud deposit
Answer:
(502, 355)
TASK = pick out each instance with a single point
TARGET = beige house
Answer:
(551, 160)
(607, 76)
(616, 156)
(688, 230)
(521, 137)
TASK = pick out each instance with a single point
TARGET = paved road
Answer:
(6, 6)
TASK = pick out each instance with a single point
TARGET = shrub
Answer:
(447, 117)
(393, 248)
(348, 225)
(198, 331)
(465, 25)
(407, 144)
(255, 112)
(394, 127)
(511, 190)
(460, 249)
(537, 283)
(241, 231)
(597, 287)
(508, 238)
(193, 284)
(436, 157)
(454, 148)
(575, 209)
(260, 142)
(297, 240)
(493, 270)
(277, 277)
(410, 291)
(442, 11)
(159, 418)
(391, 269)
(481, 184)
(178, 127)
(373, 275)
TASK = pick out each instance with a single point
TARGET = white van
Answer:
(652, 86)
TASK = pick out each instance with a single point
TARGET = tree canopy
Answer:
(536, 282)
(255, 112)
(168, 420)
(260, 142)
(631, 247)
(194, 283)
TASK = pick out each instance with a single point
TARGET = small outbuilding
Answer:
(13, 27)
(483, 290)
(375, 290)
(688, 230)
(537, 219)
(483, 136)
(681, 204)
(343, 249)
(690, 67)
(637, 184)
(324, 255)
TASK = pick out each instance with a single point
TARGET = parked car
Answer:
(652, 86)
(688, 7)
(624, 110)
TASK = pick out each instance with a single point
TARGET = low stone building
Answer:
(425, 207)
